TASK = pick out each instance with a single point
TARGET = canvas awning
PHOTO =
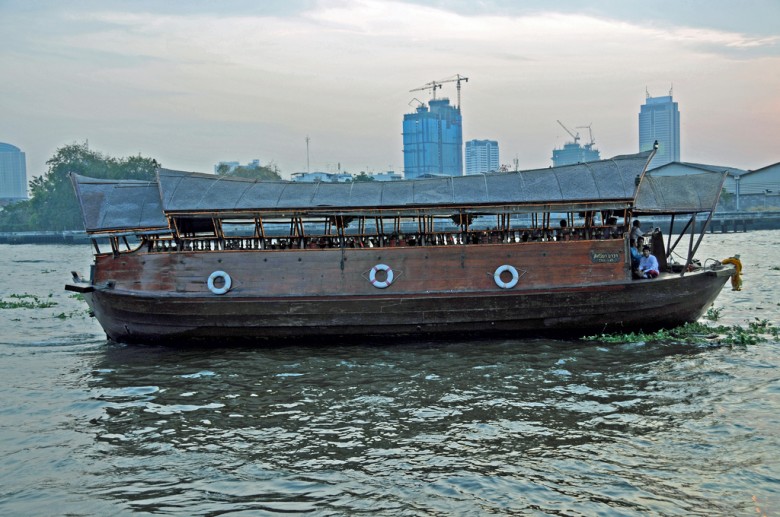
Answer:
(113, 206)
(119, 205)
(690, 193)
(603, 184)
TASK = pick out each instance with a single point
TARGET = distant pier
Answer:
(743, 221)
(725, 222)
(61, 237)
(722, 222)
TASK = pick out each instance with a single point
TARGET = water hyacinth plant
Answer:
(26, 301)
(757, 331)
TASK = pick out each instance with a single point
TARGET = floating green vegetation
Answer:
(713, 314)
(756, 331)
(73, 314)
(26, 301)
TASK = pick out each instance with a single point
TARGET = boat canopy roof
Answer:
(119, 205)
(586, 186)
(689, 193)
(113, 206)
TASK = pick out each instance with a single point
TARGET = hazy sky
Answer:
(191, 83)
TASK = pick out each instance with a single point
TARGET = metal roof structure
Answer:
(732, 171)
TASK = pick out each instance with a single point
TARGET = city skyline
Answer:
(192, 86)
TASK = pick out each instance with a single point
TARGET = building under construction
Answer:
(573, 152)
(433, 136)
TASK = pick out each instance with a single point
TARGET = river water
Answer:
(521, 427)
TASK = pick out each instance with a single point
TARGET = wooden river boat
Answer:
(198, 256)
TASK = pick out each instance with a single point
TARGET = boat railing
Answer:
(324, 241)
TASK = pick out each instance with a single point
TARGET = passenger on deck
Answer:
(648, 264)
(563, 232)
(612, 229)
(636, 257)
(636, 231)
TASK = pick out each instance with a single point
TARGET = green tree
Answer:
(16, 217)
(52, 204)
(260, 172)
(363, 177)
(727, 200)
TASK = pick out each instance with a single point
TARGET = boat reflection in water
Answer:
(507, 253)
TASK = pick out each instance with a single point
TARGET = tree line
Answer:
(52, 205)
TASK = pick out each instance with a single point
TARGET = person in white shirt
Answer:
(648, 264)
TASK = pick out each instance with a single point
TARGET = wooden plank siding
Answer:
(344, 272)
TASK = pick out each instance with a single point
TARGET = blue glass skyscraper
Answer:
(573, 152)
(659, 119)
(13, 174)
(433, 141)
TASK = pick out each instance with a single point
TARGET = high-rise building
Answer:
(573, 152)
(481, 156)
(659, 120)
(433, 141)
(13, 174)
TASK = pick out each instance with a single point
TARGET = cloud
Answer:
(721, 42)
(248, 84)
(356, 38)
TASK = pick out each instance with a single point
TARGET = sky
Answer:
(191, 83)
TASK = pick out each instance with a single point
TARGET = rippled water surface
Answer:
(446, 428)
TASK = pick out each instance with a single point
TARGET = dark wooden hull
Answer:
(325, 295)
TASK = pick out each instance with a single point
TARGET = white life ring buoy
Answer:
(225, 278)
(506, 285)
(387, 270)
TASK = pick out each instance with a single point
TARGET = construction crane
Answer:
(575, 136)
(590, 132)
(457, 78)
(433, 85)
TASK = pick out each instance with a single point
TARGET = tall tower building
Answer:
(659, 119)
(481, 156)
(573, 152)
(13, 174)
(433, 140)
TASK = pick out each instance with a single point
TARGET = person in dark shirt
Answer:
(635, 257)
(636, 231)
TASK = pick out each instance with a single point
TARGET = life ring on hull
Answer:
(225, 278)
(377, 283)
(506, 285)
